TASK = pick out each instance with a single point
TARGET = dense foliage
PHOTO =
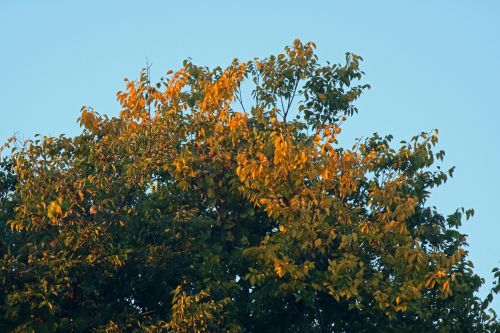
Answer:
(206, 208)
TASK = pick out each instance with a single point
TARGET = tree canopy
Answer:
(220, 200)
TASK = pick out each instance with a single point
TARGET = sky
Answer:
(431, 64)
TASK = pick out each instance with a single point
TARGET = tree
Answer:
(204, 209)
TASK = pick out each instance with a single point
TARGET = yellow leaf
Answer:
(54, 210)
(440, 274)
(278, 269)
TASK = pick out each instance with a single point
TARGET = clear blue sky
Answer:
(431, 64)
